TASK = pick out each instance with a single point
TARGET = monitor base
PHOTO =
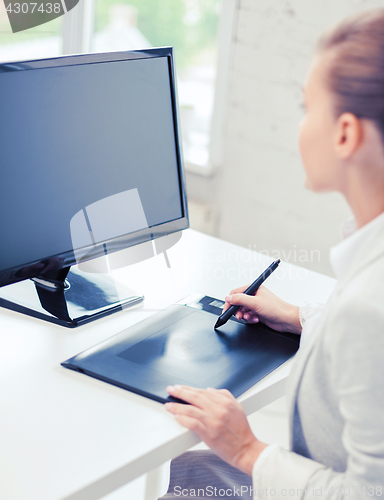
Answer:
(84, 297)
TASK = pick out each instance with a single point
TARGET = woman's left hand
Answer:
(220, 421)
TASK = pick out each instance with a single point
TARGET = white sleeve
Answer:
(308, 318)
(279, 473)
(307, 309)
(355, 346)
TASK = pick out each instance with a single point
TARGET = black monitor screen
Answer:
(88, 152)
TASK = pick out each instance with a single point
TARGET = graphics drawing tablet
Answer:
(179, 345)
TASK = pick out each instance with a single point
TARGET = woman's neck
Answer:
(365, 194)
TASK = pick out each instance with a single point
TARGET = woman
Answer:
(336, 388)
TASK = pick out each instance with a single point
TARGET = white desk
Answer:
(67, 436)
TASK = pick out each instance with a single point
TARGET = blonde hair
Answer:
(356, 73)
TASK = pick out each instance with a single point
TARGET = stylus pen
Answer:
(251, 290)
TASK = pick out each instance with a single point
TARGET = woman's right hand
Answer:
(266, 307)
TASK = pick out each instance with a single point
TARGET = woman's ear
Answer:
(348, 135)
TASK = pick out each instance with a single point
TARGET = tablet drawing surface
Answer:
(180, 346)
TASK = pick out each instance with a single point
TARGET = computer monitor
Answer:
(91, 163)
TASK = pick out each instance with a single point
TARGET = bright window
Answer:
(42, 41)
(191, 27)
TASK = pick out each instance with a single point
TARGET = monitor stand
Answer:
(69, 297)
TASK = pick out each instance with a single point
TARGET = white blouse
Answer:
(354, 467)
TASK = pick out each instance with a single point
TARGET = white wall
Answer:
(259, 191)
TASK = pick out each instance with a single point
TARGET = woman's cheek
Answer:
(303, 141)
(307, 146)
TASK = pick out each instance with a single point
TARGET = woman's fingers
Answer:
(246, 313)
(250, 316)
(193, 417)
(203, 399)
(224, 392)
(241, 289)
(240, 299)
(209, 419)
(191, 423)
(220, 422)
(179, 409)
(191, 395)
(267, 307)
